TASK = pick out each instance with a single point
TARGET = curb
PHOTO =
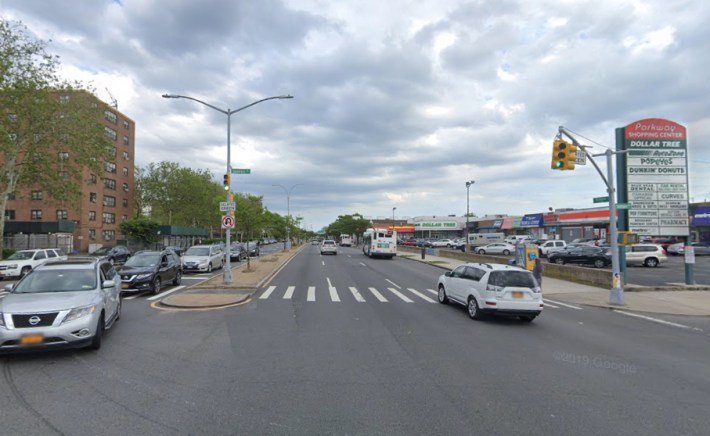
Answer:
(239, 298)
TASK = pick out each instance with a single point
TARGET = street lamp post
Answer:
(228, 112)
(287, 244)
(468, 185)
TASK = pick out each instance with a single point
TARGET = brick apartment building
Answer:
(106, 200)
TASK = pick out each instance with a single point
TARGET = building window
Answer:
(9, 215)
(124, 217)
(110, 184)
(125, 171)
(62, 215)
(125, 202)
(111, 133)
(110, 167)
(36, 214)
(113, 151)
(92, 234)
(92, 179)
(109, 235)
(125, 140)
(92, 197)
(125, 155)
(110, 116)
(92, 215)
(109, 201)
(125, 187)
(108, 218)
(63, 156)
(36, 195)
(126, 125)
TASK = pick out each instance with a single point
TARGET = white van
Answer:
(481, 239)
(517, 239)
(346, 240)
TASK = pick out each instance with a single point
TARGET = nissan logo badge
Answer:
(35, 320)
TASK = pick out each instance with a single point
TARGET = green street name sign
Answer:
(624, 205)
(600, 199)
(241, 171)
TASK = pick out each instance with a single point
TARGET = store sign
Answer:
(532, 220)
(437, 225)
(701, 217)
(657, 177)
(497, 224)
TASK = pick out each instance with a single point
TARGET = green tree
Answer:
(353, 224)
(179, 196)
(140, 229)
(249, 215)
(51, 138)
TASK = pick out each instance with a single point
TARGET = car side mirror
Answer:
(9, 287)
(108, 284)
(448, 274)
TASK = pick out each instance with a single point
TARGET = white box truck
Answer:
(481, 239)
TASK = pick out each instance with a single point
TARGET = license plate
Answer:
(125, 285)
(31, 340)
(517, 294)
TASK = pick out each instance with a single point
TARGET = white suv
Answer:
(23, 261)
(645, 254)
(551, 246)
(492, 288)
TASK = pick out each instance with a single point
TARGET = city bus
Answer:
(379, 243)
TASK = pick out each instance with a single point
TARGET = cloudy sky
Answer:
(397, 103)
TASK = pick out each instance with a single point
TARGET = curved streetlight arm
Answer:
(227, 112)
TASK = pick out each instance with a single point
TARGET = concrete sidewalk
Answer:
(672, 300)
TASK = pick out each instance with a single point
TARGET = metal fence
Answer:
(29, 241)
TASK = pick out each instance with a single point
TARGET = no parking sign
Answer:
(227, 222)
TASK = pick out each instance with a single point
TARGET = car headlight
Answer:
(79, 312)
(12, 266)
(143, 276)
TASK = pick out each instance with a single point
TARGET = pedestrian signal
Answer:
(563, 155)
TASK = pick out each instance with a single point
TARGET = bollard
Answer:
(423, 253)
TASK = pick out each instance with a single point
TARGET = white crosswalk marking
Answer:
(377, 295)
(268, 292)
(311, 293)
(289, 292)
(400, 295)
(357, 295)
(333, 295)
(420, 295)
(432, 291)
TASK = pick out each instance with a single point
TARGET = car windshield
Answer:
(197, 251)
(520, 279)
(21, 255)
(102, 250)
(55, 280)
(143, 260)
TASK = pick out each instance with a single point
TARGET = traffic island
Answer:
(214, 293)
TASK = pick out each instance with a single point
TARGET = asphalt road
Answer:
(298, 360)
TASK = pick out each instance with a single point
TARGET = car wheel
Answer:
(473, 311)
(443, 299)
(209, 267)
(506, 252)
(178, 278)
(96, 340)
(559, 261)
(25, 270)
(599, 263)
(155, 287)
(481, 251)
(651, 262)
(527, 318)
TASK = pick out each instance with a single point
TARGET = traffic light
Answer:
(227, 183)
(563, 155)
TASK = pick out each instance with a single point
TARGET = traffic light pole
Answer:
(616, 293)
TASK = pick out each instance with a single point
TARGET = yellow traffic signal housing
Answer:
(226, 182)
(563, 155)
